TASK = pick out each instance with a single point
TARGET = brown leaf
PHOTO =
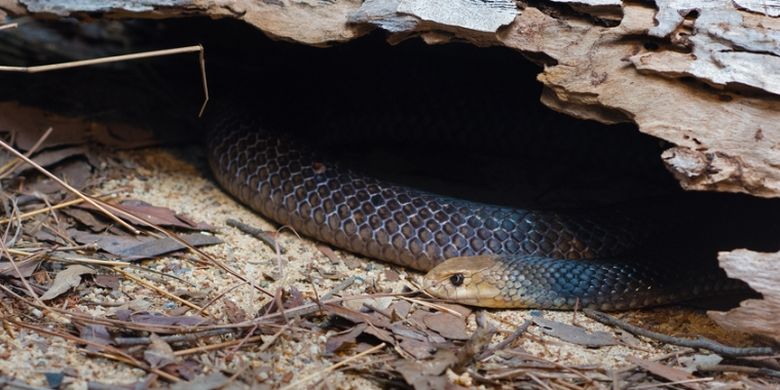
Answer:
(669, 373)
(575, 334)
(329, 253)
(374, 319)
(47, 158)
(26, 267)
(159, 353)
(427, 374)
(107, 281)
(408, 332)
(159, 215)
(159, 319)
(233, 312)
(30, 123)
(448, 325)
(75, 172)
(95, 333)
(344, 340)
(212, 381)
(137, 248)
(86, 218)
(418, 349)
(391, 275)
(401, 308)
(65, 280)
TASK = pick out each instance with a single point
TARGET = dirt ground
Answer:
(179, 179)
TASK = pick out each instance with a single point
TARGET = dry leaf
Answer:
(343, 340)
(159, 353)
(107, 281)
(159, 215)
(87, 219)
(669, 373)
(137, 248)
(391, 275)
(65, 280)
(234, 313)
(95, 333)
(401, 308)
(26, 267)
(575, 334)
(159, 319)
(209, 382)
(418, 349)
(448, 325)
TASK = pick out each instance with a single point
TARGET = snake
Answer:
(474, 253)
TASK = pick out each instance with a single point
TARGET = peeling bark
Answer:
(757, 316)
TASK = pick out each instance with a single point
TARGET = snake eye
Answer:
(456, 279)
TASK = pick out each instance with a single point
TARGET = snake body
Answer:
(501, 257)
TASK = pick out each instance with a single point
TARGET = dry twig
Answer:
(699, 343)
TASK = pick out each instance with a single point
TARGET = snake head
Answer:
(465, 280)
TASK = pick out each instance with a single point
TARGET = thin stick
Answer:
(9, 26)
(505, 342)
(666, 384)
(212, 347)
(69, 259)
(333, 367)
(4, 248)
(260, 234)
(220, 295)
(699, 343)
(119, 58)
(177, 338)
(432, 305)
(68, 187)
(51, 208)
(10, 165)
(735, 368)
(202, 60)
(101, 60)
(341, 286)
(161, 291)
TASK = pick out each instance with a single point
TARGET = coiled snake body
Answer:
(500, 257)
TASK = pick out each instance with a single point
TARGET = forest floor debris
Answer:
(88, 303)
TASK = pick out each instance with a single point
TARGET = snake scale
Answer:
(498, 256)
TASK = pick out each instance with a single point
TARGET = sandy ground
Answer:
(178, 179)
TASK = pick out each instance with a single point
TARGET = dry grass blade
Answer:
(8, 167)
(670, 384)
(57, 206)
(120, 58)
(67, 186)
(8, 254)
(161, 291)
(432, 305)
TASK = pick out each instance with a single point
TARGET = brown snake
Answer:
(503, 257)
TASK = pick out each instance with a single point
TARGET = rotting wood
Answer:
(758, 316)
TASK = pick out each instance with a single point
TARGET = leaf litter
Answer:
(76, 264)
